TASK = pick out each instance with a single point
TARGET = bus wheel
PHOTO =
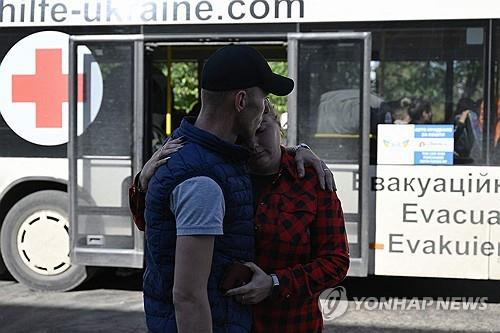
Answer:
(34, 243)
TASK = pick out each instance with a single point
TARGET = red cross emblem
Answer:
(48, 88)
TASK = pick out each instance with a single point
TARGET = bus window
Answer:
(328, 105)
(114, 118)
(431, 76)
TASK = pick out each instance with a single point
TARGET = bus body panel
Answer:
(17, 169)
(464, 42)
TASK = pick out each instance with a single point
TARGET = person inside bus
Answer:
(496, 138)
(467, 132)
(420, 111)
(300, 237)
(401, 113)
(495, 156)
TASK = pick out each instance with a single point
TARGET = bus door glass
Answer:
(329, 110)
(104, 153)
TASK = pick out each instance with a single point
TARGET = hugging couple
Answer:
(241, 233)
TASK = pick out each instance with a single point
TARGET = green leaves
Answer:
(185, 84)
(279, 102)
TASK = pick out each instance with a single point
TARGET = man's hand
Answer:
(304, 156)
(259, 288)
(159, 158)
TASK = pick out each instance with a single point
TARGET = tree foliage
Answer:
(185, 84)
(279, 102)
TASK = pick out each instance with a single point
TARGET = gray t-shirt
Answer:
(198, 206)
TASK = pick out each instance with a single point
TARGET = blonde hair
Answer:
(269, 110)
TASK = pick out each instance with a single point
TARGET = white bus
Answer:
(86, 91)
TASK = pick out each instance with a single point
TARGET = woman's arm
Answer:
(137, 198)
(304, 156)
(137, 191)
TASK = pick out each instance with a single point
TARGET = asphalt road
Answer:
(113, 303)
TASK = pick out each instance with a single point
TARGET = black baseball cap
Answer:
(239, 67)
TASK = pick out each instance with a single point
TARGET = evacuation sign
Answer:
(34, 94)
(415, 144)
(437, 221)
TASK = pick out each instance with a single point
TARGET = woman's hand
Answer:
(159, 158)
(304, 156)
(259, 287)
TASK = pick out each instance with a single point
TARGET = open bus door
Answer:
(330, 111)
(105, 154)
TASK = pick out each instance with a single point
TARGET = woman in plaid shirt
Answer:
(300, 238)
(301, 243)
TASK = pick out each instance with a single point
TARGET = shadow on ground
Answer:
(400, 286)
(20, 318)
(114, 278)
(371, 329)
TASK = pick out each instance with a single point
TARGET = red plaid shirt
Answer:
(300, 236)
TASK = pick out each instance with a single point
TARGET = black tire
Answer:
(19, 229)
(3, 269)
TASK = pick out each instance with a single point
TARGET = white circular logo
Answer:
(333, 302)
(34, 93)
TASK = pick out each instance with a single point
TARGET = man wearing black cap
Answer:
(199, 210)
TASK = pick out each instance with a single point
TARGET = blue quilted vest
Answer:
(203, 155)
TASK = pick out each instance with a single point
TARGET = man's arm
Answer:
(193, 261)
(198, 207)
